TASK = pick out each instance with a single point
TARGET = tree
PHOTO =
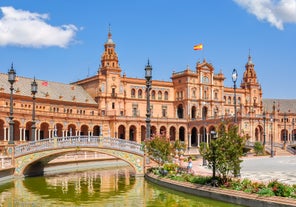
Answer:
(228, 149)
(161, 149)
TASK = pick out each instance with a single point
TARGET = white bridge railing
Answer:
(78, 141)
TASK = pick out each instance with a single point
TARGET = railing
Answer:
(78, 141)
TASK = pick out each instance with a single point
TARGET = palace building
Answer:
(188, 108)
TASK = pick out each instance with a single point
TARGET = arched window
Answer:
(153, 95)
(166, 95)
(140, 93)
(229, 100)
(133, 93)
(159, 95)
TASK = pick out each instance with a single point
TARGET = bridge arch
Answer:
(32, 162)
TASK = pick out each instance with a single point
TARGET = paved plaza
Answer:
(265, 169)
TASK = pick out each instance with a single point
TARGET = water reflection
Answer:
(106, 187)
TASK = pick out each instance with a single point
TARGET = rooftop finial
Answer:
(109, 32)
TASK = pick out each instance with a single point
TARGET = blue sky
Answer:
(63, 41)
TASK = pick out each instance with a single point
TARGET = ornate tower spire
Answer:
(109, 59)
(250, 76)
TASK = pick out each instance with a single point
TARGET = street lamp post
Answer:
(234, 79)
(271, 145)
(11, 80)
(293, 124)
(213, 146)
(204, 161)
(34, 87)
(285, 131)
(264, 133)
(148, 77)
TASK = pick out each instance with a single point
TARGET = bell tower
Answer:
(250, 77)
(109, 59)
(252, 87)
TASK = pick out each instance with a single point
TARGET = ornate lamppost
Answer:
(293, 124)
(213, 146)
(11, 80)
(34, 87)
(148, 77)
(271, 145)
(264, 133)
(234, 79)
(285, 131)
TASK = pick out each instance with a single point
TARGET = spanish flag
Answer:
(198, 47)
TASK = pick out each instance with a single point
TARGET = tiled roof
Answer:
(47, 89)
(283, 105)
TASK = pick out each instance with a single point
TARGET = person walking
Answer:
(189, 167)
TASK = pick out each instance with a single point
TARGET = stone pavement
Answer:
(263, 168)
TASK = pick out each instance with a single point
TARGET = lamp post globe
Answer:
(11, 80)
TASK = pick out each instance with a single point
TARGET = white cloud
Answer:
(27, 29)
(276, 12)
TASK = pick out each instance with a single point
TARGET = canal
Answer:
(95, 187)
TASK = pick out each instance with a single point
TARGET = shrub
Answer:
(258, 148)
(266, 192)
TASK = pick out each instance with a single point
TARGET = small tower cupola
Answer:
(109, 59)
(250, 76)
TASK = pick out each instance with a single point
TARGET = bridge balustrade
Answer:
(78, 141)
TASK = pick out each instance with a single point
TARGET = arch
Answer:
(59, 128)
(132, 133)
(180, 111)
(159, 95)
(121, 132)
(284, 135)
(203, 134)
(140, 93)
(28, 131)
(143, 133)
(96, 130)
(166, 96)
(194, 137)
(84, 130)
(211, 130)
(40, 159)
(1, 129)
(133, 93)
(153, 131)
(182, 134)
(44, 130)
(153, 95)
(259, 134)
(193, 112)
(71, 130)
(162, 130)
(204, 112)
(172, 133)
(16, 130)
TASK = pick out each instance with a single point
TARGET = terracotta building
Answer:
(188, 108)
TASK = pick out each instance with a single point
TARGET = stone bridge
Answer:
(30, 159)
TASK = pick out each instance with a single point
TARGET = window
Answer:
(153, 95)
(164, 111)
(159, 95)
(140, 93)
(229, 100)
(113, 105)
(166, 95)
(133, 93)
(194, 93)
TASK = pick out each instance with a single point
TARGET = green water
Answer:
(105, 187)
